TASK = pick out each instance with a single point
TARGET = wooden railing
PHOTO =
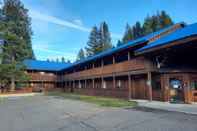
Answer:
(42, 77)
(136, 64)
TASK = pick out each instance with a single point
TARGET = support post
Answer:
(85, 83)
(102, 63)
(114, 61)
(133, 87)
(114, 81)
(93, 65)
(129, 84)
(149, 83)
(129, 56)
(93, 83)
(102, 82)
(64, 86)
(73, 84)
(79, 84)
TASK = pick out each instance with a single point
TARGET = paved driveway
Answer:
(44, 113)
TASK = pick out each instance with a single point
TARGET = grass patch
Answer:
(101, 101)
(2, 100)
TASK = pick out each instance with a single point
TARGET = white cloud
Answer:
(53, 54)
(52, 19)
(76, 24)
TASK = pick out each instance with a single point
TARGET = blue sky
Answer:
(61, 27)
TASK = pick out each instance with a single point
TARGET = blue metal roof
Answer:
(44, 65)
(181, 33)
(122, 47)
(55, 66)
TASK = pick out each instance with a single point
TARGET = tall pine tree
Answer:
(15, 30)
(11, 69)
(104, 37)
(147, 26)
(81, 55)
(93, 44)
(165, 19)
(128, 35)
(151, 24)
(137, 30)
(15, 13)
(119, 43)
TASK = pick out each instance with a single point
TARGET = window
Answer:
(194, 85)
(175, 83)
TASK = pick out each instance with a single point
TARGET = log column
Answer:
(114, 81)
(129, 56)
(186, 88)
(129, 84)
(93, 83)
(149, 84)
(102, 82)
(73, 84)
(85, 83)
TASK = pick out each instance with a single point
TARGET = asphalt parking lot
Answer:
(47, 113)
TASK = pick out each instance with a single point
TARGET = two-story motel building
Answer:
(160, 66)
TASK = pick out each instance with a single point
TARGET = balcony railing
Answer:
(132, 65)
(42, 77)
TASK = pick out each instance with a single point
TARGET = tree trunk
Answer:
(13, 78)
(12, 84)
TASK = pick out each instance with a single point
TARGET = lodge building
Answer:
(160, 66)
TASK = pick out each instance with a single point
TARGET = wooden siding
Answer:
(132, 65)
(139, 89)
(38, 76)
(157, 95)
(194, 95)
(98, 90)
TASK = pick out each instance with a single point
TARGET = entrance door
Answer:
(176, 90)
(140, 88)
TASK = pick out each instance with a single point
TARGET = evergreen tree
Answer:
(147, 26)
(104, 37)
(93, 44)
(165, 19)
(128, 35)
(137, 30)
(16, 32)
(151, 24)
(81, 55)
(48, 60)
(68, 61)
(57, 59)
(12, 68)
(119, 43)
(63, 60)
(15, 13)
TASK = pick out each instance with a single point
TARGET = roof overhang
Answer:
(182, 41)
